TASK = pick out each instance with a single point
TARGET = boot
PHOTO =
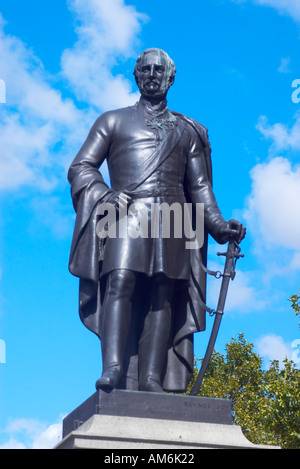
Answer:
(113, 345)
(153, 350)
(115, 327)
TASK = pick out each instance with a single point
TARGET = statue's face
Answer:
(154, 81)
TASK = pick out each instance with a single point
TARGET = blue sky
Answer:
(65, 62)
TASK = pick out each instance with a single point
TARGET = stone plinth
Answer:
(149, 405)
(139, 420)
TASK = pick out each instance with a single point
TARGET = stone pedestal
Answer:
(123, 420)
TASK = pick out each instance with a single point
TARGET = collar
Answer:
(157, 110)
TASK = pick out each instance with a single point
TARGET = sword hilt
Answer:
(233, 253)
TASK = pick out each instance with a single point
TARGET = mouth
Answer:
(152, 83)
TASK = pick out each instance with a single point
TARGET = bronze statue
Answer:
(144, 295)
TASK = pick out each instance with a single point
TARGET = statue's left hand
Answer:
(231, 229)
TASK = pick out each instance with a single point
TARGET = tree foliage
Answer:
(265, 403)
(295, 300)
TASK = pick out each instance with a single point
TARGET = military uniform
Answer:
(156, 156)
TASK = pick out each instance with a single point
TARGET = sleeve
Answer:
(88, 188)
(199, 187)
(84, 170)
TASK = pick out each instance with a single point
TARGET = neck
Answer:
(154, 102)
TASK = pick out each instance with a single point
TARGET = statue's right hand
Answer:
(120, 200)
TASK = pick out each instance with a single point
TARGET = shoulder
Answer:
(195, 127)
(199, 133)
(110, 118)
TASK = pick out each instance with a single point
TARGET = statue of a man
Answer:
(143, 295)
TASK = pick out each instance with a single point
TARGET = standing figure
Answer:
(143, 295)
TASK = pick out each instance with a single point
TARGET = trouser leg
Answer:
(115, 325)
(154, 340)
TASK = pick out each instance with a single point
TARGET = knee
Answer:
(121, 283)
(162, 292)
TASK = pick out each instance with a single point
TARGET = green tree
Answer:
(266, 404)
(295, 300)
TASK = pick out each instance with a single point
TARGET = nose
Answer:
(152, 70)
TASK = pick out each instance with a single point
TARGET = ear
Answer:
(171, 80)
(136, 78)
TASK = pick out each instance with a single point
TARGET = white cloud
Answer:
(283, 137)
(48, 438)
(40, 130)
(243, 295)
(33, 120)
(28, 86)
(12, 443)
(24, 152)
(284, 66)
(273, 347)
(107, 33)
(31, 434)
(51, 213)
(273, 211)
(287, 7)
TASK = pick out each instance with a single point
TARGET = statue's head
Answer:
(154, 73)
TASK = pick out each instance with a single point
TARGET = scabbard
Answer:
(197, 385)
(228, 274)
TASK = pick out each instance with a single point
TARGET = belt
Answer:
(157, 192)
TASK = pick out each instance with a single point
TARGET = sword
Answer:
(232, 255)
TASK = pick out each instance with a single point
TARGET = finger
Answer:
(243, 233)
(125, 198)
(234, 233)
(235, 225)
(122, 205)
(239, 228)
